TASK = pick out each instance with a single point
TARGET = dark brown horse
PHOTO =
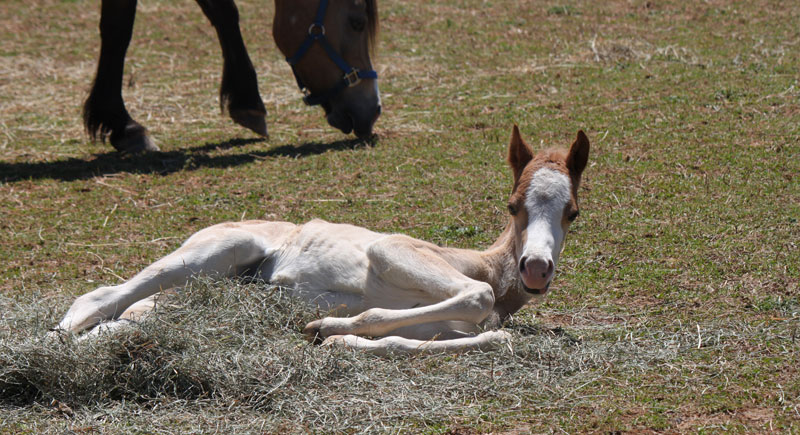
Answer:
(326, 42)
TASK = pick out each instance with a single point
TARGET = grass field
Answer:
(677, 302)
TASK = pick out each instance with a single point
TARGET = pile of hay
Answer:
(230, 355)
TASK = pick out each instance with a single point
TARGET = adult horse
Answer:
(327, 46)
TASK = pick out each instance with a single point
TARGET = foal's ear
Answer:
(578, 155)
(519, 154)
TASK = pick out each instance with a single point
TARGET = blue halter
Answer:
(352, 76)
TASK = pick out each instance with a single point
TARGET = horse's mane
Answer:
(372, 22)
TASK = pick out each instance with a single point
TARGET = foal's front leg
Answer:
(399, 266)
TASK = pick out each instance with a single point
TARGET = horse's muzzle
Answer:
(357, 121)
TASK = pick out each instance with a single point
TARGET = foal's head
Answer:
(542, 205)
(350, 27)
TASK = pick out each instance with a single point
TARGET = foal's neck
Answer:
(496, 266)
(500, 260)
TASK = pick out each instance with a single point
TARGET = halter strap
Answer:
(316, 33)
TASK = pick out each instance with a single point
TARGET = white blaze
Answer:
(545, 200)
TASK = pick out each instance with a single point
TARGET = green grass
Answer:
(676, 304)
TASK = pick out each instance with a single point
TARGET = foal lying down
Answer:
(386, 293)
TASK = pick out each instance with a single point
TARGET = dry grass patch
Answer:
(235, 347)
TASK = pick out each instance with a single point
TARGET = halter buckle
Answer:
(316, 25)
(352, 78)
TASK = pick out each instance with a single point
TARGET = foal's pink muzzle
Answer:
(536, 273)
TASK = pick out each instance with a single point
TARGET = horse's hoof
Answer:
(135, 144)
(252, 119)
(312, 332)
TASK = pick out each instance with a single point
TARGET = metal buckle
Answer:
(311, 29)
(352, 78)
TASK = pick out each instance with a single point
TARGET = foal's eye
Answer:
(573, 216)
(512, 209)
(358, 23)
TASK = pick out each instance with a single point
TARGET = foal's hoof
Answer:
(252, 119)
(312, 332)
(334, 340)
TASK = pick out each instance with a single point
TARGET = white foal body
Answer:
(414, 294)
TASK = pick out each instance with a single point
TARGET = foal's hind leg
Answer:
(398, 266)
(239, 89)
(398, 345)
(104, 112)
(219, 250)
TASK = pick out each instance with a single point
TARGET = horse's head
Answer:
(328, 44)
(542, 205)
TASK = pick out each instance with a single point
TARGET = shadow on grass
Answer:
(533, 330)
(164, 163)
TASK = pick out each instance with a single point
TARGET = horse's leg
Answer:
(239, 90)
(104, 113)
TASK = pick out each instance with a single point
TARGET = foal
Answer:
(416, 295)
